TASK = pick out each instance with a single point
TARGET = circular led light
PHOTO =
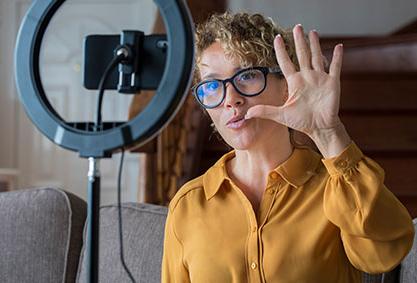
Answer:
(168, 98)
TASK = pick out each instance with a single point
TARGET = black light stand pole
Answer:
(93, 217)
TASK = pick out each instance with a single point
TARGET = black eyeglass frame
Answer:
(265, 71)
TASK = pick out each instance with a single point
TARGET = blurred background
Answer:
(378, 103)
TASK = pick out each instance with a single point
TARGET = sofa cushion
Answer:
(408, 273)
(143, 236)
(40, 235)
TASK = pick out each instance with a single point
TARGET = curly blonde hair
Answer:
(249, 39)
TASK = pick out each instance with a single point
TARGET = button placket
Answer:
(252, 247)
(274, 182)
(272, 191)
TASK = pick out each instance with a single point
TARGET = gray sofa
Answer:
(41, 240)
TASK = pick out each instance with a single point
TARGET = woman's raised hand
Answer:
(313, 94)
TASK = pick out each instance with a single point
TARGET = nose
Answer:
(233, 98)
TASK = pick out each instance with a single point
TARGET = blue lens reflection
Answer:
(212, 86)
(200, 93)
(208, 89)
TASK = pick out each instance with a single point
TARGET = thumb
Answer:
(265, 112)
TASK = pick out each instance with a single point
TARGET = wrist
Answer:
(331, 142)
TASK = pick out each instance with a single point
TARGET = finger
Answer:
(270, 112)
(316, 54)
(301, 48)
(284, 61)
(336, 64)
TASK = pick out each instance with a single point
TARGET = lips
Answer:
(236, 122)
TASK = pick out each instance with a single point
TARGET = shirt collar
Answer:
(296, 170)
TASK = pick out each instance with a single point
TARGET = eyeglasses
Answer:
(247, 82)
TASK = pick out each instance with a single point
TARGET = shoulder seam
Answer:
(177, 199)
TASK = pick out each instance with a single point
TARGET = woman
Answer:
(271, 211)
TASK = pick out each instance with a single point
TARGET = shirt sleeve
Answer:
(376, 229)
(173, 268)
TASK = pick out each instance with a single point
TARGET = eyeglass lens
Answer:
(249, 82)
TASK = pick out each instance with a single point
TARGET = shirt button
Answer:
(274, 175)
(343, 164)
(253, 265)
(271, 191)
(254, 229)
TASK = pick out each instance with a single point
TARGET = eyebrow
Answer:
(214, 75)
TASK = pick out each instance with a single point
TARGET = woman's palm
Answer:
(313, 94)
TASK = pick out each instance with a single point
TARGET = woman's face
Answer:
(243, 134)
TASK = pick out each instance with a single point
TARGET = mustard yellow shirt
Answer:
(319, 220)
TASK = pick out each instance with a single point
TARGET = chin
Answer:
(240, 141)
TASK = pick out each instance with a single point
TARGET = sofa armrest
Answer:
(41, 235)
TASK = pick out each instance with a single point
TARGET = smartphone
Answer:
(99, 51)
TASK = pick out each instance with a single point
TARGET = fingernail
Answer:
(300, 25)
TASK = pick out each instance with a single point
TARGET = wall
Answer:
(340, 17)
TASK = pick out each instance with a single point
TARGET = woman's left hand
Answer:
(312, 106)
